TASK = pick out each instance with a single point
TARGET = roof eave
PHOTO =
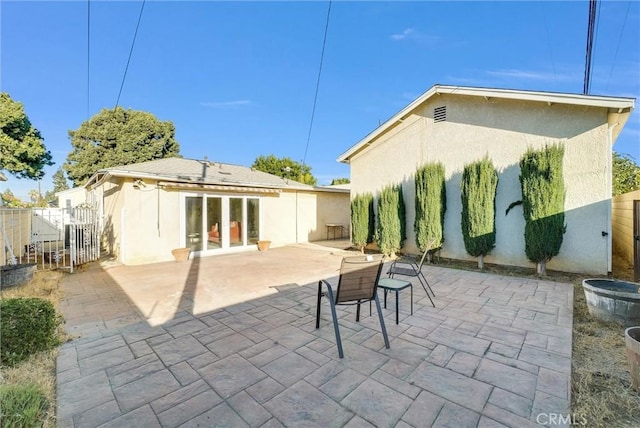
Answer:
(620, 104)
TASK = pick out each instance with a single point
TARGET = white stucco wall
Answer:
(140, 228)
(503, 130)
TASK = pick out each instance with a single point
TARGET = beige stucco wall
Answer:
(502, 129)
(143, 225)
(306, 212)
(622, 224)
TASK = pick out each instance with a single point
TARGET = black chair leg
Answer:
(382, 326)
(335, 320)
(426, 292)
(318, 304)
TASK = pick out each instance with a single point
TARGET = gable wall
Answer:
(504, 130)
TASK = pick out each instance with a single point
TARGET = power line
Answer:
(133, 43)
(546, 27)
(315, 97)
(615, 56)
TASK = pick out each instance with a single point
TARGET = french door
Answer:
(218, 222)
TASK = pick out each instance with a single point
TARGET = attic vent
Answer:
(440, 114)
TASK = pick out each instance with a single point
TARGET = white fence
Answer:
(49, 237)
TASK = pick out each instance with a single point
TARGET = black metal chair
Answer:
(405, 266)
(357, 284)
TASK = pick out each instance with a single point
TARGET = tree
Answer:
(431, 205)
(22, 150)
(59, 181)
(10, 200)
(362, 220)
(118, 137)
(286, 168)
(390, 220)
(542, 183)
(340, 181)
(478, 196)
(626, 174)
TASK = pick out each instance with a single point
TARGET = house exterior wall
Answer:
(622, 224)
(142, 225)
(503, 130)
(304, 212)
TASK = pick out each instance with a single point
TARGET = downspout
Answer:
(610, 195)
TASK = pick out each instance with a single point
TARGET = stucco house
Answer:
(150, 208)
(458, 125)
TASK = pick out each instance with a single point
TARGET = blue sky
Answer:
(238, 78)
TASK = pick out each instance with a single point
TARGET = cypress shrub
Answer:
(431, 205)
(362, 220)
(543, 191)
(28, 325)
(390, 213)
(478, 195)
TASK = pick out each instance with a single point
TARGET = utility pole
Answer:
(590, 34)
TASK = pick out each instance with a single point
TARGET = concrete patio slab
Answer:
(231, 341)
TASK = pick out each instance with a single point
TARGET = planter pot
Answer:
(613, 300)
(632, 340)
(263, 245)
(12, 275)
(181, 254)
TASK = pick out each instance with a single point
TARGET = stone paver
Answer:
(231, 341)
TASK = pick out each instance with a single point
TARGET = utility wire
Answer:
(590, 36)
(546, 27)
(88, 52)
(315, 97)
(133, 43)
(615, 56)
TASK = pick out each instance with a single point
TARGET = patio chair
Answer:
(357, 284)
(406, 266)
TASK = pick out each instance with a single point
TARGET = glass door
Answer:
(218, 222)
(193, 222)
(214, 223)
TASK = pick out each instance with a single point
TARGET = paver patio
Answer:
(231, 341)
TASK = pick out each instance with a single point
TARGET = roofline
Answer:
(102, 175)
(616, 103)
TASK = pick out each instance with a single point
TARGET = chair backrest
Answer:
(358, 278)
(430, 246)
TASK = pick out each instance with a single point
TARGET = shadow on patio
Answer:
(494, 352)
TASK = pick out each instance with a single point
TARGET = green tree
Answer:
(340, 181)
(286, 168)
(478, 195)
(390, 220)
(431, 205)
(118, 137)
(362, 220)
(626, 174)
(59, 181)
(10, 200)
(543, 191)
(22, 150)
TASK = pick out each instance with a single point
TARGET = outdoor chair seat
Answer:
(357, 284)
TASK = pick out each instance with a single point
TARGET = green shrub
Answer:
(362, 220)
(478, 195)
(391, 220)
(431, 205)
(542, 183)
(27, 326)
(21, 406)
